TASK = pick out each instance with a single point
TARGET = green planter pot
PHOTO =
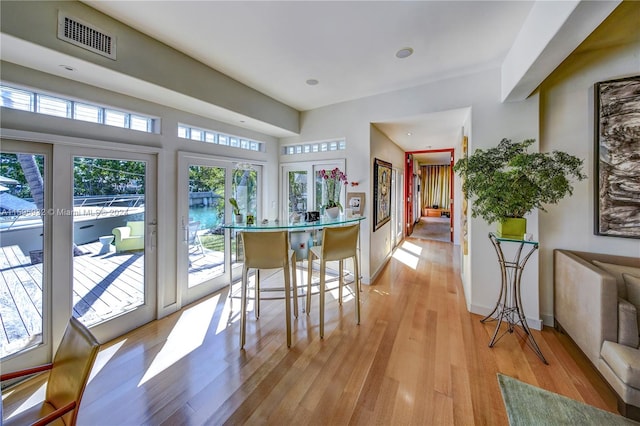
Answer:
(513, 228)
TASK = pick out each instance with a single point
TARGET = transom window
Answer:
(41, 103)
(306, 148)
(211, 136)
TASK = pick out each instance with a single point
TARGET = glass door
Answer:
(114, 240)
(297, 188)
(206, 185)
(302, 187)
(25, 255)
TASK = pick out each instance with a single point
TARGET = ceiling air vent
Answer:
(87, 36)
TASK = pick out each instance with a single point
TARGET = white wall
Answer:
(567, 119)
(140, 62)
(380, 247)
(56, 130)
(490, 121)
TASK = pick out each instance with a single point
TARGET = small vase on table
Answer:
(332, 212)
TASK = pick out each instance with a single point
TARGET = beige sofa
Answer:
(597, 300)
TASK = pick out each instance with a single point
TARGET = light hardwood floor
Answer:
(417, 358)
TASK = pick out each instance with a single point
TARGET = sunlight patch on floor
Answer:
(36, 398)
(187, 335)
(347, 294)
(103, 358)
(406, 257)
(228, 315)
(413, 248)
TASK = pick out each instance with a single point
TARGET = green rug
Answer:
(530, 405)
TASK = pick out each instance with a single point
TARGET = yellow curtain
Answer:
(436, 186)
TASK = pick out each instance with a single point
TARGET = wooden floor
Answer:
(417, 358)
(105, 285)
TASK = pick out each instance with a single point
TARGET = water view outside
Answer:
(207, 202)
(209, 217)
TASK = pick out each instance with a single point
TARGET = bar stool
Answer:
(338, 243)
(267, 250)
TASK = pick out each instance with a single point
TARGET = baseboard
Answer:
(547, 319)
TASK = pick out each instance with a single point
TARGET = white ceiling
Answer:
(349, 47)
(275, 47)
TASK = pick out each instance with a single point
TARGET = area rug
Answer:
(530, 405)
(432, 228)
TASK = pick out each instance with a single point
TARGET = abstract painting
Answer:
(617, 158)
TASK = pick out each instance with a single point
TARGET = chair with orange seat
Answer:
(68, 376)
(338, 243)
(267, 250)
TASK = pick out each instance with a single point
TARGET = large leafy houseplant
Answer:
(507, 182)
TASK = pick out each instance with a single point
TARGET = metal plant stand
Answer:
(509, 305)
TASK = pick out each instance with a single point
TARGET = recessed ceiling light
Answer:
(409, 133)
(68, 67)
(405, 52)
(312, 82)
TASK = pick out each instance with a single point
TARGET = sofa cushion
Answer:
(627, 324)
(624, 361)
(633, 292)
(617, 271)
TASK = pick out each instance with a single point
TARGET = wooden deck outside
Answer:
(104, 285)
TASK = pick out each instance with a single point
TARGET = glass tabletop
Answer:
(286, 224)
(513, 240)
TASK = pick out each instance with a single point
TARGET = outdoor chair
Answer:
(129, 237)
(195, 245)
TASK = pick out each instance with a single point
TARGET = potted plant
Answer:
(333, 180)
(506, 182)
(236, 210)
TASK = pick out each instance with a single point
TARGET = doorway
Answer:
(430, 203)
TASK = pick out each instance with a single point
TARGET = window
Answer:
(210, 136)
(53, 106)
(41, 103)
(306, 148)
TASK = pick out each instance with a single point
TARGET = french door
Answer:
(114, 239)
(74, 211)
(205, 186)
(302, 186)
(25, 254)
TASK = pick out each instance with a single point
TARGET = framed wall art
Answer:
(355, 202)
(381, 193)
(617, 163)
